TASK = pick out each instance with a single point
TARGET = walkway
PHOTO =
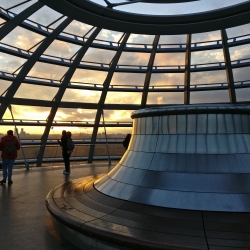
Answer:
(25, 222)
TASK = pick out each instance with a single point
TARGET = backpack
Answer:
(10, 147)
(70, 144)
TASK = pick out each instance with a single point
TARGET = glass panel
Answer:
(109, 35)
(10, 63)
(173, 39)
(77, 28)
(141, 39)
(77, 133)
(22, 38)
(242, 95)
(79, 95)
(31, 91)
(115, 136)
(207, 56)
(167, 79)
(216, 96)
(208, 77)
(3, 86)
(134, 79)
(62, 49)
(118, 115)
(45, 16)
(240, 52)
(30, 113)
(70, 114)
(48, 71)
(99, 55)
(206, 36)
(169, 59)
(241, 74)
(8, 4)
(123, 98)
(238, 31)
(89, 76)
(134, 58)
(165, 98)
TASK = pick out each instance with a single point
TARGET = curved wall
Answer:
(190, 157)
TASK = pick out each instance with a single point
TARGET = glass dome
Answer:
(71, 65)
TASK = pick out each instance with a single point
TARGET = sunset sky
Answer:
(25, 39)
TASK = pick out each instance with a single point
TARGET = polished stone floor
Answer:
(25, 222)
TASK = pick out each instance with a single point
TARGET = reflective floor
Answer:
(25, 222)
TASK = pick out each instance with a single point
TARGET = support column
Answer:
(149, 72)
(29, 64)
(62, 89)
(14, 22)
(187, 70)
(228, 65)
(104, 94)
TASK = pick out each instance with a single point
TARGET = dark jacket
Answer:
(3, 145)
(63, 143)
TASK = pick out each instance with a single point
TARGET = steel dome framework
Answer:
(221, 22)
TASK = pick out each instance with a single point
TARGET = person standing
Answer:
(70, 147)
(9, 146)
(63, 144)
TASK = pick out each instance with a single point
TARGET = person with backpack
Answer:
(9, 146)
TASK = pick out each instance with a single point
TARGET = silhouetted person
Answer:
(63, 144)
(126, 141)
(9, 146)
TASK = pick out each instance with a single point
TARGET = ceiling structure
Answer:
(66, 63)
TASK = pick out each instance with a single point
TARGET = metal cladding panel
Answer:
(133, 142)
(201, 163)
(172, 124)
(143, 124)
(115, 189)
(191, 124)
(212, 146)
(201, 144)
(238, 123)
(181, 144)
(125, 158)
(152, 125)
(245, 124)
(190, 144)
(164, 126)
(201, 124)
(192, 200)
(212, 124)
(229, 123)
(207, 183)
(162, 144)
(133, 176)
(146, 143)
(221, 121)
(140, 160)
(181, 124)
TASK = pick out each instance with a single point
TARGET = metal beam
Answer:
(60, 93)
(104, 94)
(14, 22)
(29, 64)
(187, 70)
(149, 72)
(100, 16)
(228, 65)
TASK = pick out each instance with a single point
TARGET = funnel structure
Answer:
(183, 183)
